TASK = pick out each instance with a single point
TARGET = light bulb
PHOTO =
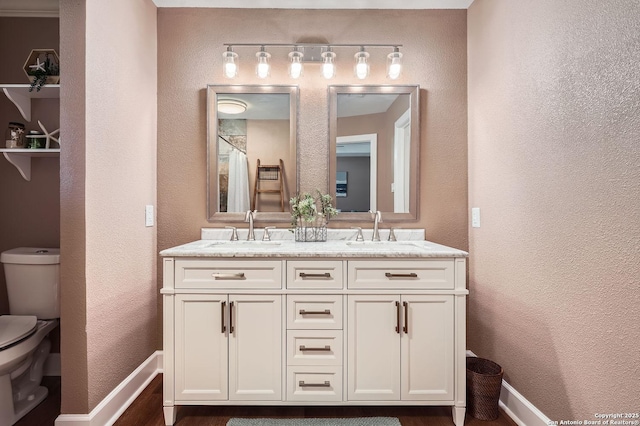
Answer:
(262, 69)
(295, 67)
(394, 64)
(328, 67)
(229, 63)
(362, 65)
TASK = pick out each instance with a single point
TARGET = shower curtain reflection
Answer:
(238, 192)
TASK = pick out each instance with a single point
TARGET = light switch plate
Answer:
(148, 216)
(475, 217)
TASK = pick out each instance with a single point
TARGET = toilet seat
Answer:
(14, 328)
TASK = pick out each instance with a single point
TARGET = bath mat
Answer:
(354, 421)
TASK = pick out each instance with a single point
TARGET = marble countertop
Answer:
(339, 244)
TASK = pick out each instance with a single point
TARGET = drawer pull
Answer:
(405, 327)
(237, 276)
(326, 384)
(392, 276)
(325, 312)
(303, 348)
(305, 275)
(222, 306)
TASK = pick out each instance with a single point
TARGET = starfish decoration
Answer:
(38, 65)
(48, 135)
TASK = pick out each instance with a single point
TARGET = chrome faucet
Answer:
(377, 218)
(249, 218)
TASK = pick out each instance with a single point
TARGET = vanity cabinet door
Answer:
(255, 347)
(373, 348)
(400, 348)
(427, 348)
(200, 347)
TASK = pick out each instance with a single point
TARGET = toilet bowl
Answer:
(33, 288)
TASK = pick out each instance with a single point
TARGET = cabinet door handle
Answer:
(237, 276)
(325, 312)
(231, 328)
(326, 384)
(397, 317)
(392, 276)
(223, 305)
(303, 348)
(305, 275)
(405, 327)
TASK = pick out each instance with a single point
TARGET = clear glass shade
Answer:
(361, 68)
(394, 65)
(328, 65)
(230, 64)
(263, 67)
(295, 66)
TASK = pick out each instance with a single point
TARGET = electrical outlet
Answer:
(148, 216)
(475, 217)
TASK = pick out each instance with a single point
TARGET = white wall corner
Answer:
(114, 404)
(517, 407)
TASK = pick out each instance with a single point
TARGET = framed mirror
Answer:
(251, 151)
(374, 134)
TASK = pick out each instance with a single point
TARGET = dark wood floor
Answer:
(146, 410)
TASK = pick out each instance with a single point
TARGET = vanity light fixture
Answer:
(231, 106)
(295, 66)
(328, 65)
(394, 63)
(361, 68)
(315, 52)
(229, 63)
(263, 67)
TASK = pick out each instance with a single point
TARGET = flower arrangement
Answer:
(307, 210)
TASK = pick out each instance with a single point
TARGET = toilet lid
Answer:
(14, 328)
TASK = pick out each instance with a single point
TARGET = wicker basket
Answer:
(484, 381)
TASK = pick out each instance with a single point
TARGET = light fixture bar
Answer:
(327, 45)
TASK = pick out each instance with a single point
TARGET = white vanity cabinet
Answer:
(290, 327)
(227, 347)
(400, 348)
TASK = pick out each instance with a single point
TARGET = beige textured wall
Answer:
(29, 210)
(72, 208)
(554, 164)
(112, 119)
(190, 53)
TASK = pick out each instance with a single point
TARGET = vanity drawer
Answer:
(229, 274)
(317, 274)
(314, 383)
(314, 347)
(398, 274)
(314, 311)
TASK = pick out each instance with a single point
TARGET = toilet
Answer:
(33, 287)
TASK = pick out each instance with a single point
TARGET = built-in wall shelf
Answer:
(20, 95)
(21, 158)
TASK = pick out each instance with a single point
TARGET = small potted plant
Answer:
(42, 67)
(310, 214)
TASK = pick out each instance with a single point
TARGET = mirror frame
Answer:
(414, 102)
(213, 195)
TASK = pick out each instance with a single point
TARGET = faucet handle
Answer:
(392, 234)
(266, 236)
(234, 233)
(359, 237)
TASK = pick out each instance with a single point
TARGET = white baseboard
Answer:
(114, 404)
(52, 365)
(518, 407)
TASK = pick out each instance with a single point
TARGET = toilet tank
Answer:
(33, 281)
